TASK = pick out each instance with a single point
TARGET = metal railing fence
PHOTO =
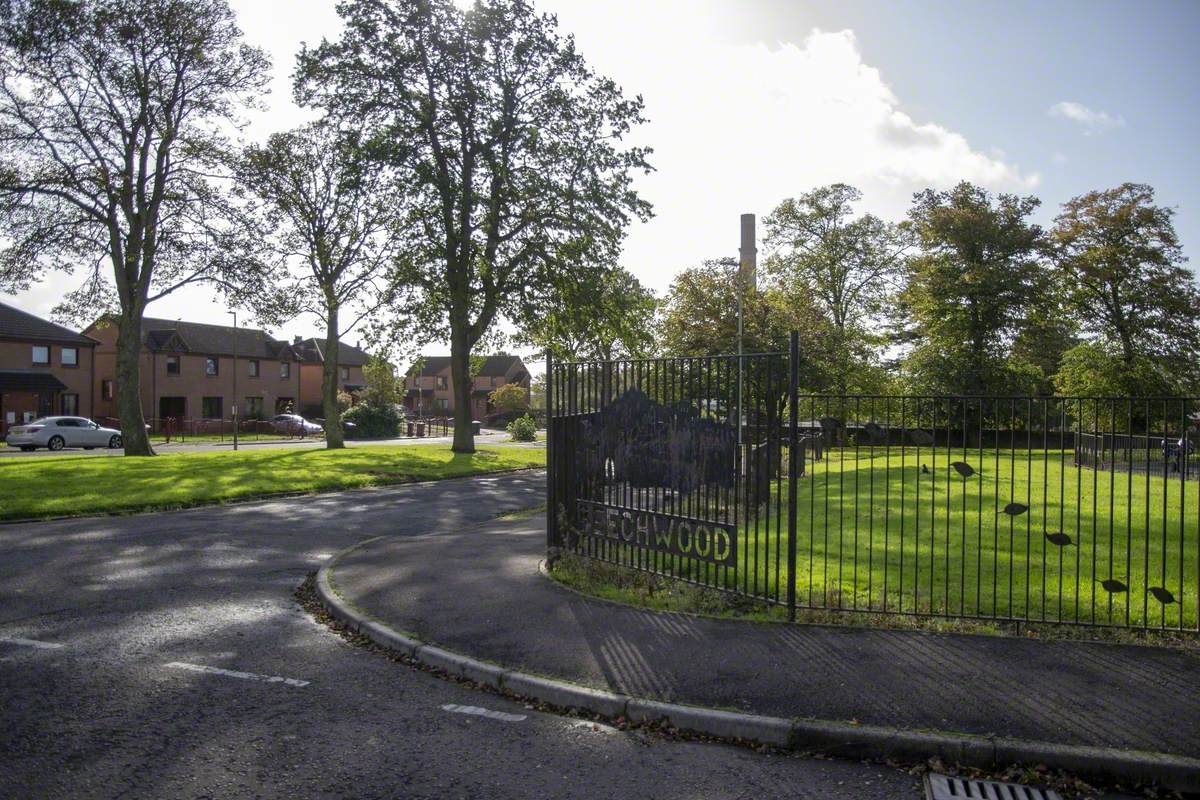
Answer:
(1045, 509)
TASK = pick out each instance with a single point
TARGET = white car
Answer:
(295, 425)
(55, 433)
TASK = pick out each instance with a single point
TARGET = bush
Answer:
(523, 429)
(373, 422)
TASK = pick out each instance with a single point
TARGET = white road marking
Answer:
(31, 643)
(483, 712)
(229, 673)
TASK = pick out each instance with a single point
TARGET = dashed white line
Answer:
(483, 712)
(229, 673)
(31, 643)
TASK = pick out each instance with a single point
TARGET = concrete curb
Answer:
(844, 739)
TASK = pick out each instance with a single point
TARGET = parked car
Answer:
(294, 424)
(55, 433)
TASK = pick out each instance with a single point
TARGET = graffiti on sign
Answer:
(714, 542)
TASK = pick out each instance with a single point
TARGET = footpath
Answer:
(479, 602)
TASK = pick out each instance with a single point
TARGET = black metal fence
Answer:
(715, 470)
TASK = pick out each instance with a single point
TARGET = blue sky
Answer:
(991, 71)
(752, 101)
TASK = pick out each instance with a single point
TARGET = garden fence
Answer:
(718, 471)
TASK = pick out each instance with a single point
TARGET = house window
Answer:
(254, 408)
(211, 407)
(41, 355)
(70, 357)
(70, 405)
(212, 366)
(253, 367)
(344, 372)
(441, 381)
(173, 366)
(285, 370)
(440, 404)
(106, 389)
(493, 381)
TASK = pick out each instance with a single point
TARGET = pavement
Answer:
(163, 655)
(479, 592)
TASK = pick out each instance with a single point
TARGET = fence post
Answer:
(793, 470)
(551, 513)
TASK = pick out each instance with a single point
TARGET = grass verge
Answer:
(646, 590)
(43, 487)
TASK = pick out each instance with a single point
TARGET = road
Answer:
(487, 437)
(164, 656)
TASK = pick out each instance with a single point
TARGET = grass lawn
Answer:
(878, 532)
(66, 485)
(882, 530)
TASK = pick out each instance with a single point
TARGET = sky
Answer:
(753, 101)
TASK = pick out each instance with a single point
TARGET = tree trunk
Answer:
(129, 394)
(460, 378)
(329, 382)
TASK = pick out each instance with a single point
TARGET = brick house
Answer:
(187, 371)
(310, 355)
(45, 369)
(431, 391)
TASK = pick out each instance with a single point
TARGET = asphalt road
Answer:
(164, 656)
(185, 446)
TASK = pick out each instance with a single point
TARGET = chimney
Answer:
(296, 340)
(748, 262)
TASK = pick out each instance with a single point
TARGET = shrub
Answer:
(509, 397)
(373, 422)
(523, 429)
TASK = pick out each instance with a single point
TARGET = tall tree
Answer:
(699, 317)
(1122, 265)
(333, 222)
(850, 264)
(603, 315)
(509, 145)
(111, 119)
(971, 289)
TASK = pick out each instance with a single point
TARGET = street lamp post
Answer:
(235, 372)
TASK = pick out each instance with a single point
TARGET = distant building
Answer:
(310, 354)
(187, 371)
(45, 369)
(430, 391)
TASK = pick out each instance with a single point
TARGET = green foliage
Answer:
(537, 393)
(596, 315)
(523, 429)
(373, 421)
(971, 290)
(508, 143)
(509, 398)
(850, 266)
(383, 388)
(1121, 267)
(699, 317)
(116, 115)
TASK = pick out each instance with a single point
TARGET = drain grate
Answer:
(944, 787)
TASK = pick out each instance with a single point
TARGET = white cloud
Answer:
(737, 128)
(1092, 121)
